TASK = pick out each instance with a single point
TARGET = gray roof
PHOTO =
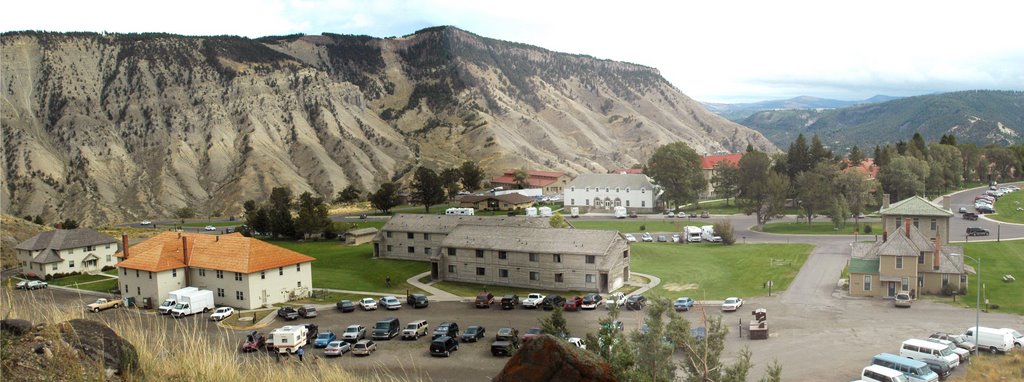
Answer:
(446, 223)
(915, 206)
(952, 260)
(526, 239)
(47, 256)
(362, 231)
(632, 181)
(65, 239)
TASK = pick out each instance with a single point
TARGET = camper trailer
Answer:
(620, 212)
(288, 339)
(708, 234)
(460, 211)
(574, 212)
(531, 211)
(692, 234)
(545, 212)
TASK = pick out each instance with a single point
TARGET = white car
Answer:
(146, 222)
(368, 304)
(210, 228)
(577, 342)
(390, 302)
(646, 237)
(222, 313)
(532, 300)
(630, 238)
(615, 299)
(731, 304)
(354, 333)
(675, 238)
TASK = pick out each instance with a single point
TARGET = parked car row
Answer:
(985, 202)
(690, 234)
(936, 357)
(31, 284)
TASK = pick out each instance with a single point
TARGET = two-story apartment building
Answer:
(604, 192)
(543, 258)
(551, 182)
(708, 163)
(505, 202)
(242, 272)
(418, 236)
(82, 250)
(913, 257)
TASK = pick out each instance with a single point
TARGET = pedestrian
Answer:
(277, 354)
(300, 353)
(387, 281)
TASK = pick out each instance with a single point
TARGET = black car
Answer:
(346, 306)
(970, 216)
(446, 329)
(550, 302)
(977, 231)
(443, 345)
(636, 302)
(509, 302)
(288, 313)
(417, 300)
(473, 333)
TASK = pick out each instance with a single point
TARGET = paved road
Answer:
(958, 226)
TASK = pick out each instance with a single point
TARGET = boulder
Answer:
(546, 358)
(99, 343)
(15, 326)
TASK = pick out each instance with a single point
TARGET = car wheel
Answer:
(993, 350)
(447, 354)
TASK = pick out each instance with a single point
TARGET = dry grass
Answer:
(1000, 367)
(344, 209)
(185, 353)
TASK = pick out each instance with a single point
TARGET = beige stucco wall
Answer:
(359, 239)
(258, 288)
(892, 222)
(104, 257)
(857, 285)
(933, 283)
(400, 243)
(153, 285)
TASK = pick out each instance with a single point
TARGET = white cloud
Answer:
(714, 51)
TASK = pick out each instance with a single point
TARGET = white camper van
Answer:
(173, 298)
(620, 212)
(197, 301)
(708, 234)
(574, 212)
(531, 211)
(991, 339)
(288, 339)
(692, 234)
(460, 211)
(545, 212)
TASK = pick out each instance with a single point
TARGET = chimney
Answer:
(885, 236)
(185, 256)
(124, 245)
(885, 201)
(906, 227)
(945, 202)
(936, 260)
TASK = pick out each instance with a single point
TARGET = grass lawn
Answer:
(997, 259)
(471, 290)
(104, 286)
(715, 271)
(346, 267)
(1006, 208)
(112, 272)
(816, 228)
(633, 225)
(257, 315)
(333, 298)
(71, 280)
(719, 207)
(342, 226)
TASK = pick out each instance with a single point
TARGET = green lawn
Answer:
(817, 228)
(71, 280)
(346, 267)
(1006, 208)
(112, 272)
(471, 290)
(101, 286)
(342, 226)
(715, 271)
(634, 225)
(997, 259)
(719, 207)
(332, 298)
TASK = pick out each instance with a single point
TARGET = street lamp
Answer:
(977, 308)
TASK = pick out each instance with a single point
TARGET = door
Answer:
(433, 270)
(603, 284)
(625, 274)
(376, 249)
(892, 289)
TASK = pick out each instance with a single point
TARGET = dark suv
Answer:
(636, 302)
(509, 301)
(977, 231)
(447, 329)
(484, 300)
(443, 346)
(551, 302)
(417, 300)
(506, 341)
(288, 313)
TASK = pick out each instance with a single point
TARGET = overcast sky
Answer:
(715, 51)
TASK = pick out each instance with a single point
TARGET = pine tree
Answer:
(819, 154)
(426, 188)
(856, 156)
(385, 198)
(472, 175)
(798, 158)
(279, 212)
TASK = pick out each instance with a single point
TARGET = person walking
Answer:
(300, 353)
(387, 281)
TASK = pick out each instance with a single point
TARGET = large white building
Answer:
(82, 250)
(242, 272)
(604, 192)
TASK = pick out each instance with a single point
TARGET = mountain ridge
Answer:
(737, 112)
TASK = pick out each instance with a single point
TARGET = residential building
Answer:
(61, 251)
(604, 192)
(529, 257)
(360, 235)
(550, 181)
(866, 167)
(708, 163)
(243, 272)
(913, 256)
(506, 202)
(624, 170)
(418, 236)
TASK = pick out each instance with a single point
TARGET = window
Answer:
(920, 280)
(202, 272)
(917, 222)
(136, 273)
(138, 290)
(899, 262)
(588, 189)
(556, 258)
(90, 248)
(643, 190)
(625, 254)
(586, 202)
(920, 258)
(174, 272)
(963, 280)
(410, 249)
(126, 288)
(389, 248)
(479, 253)
(108, 258)
(451, 269)
(573, 188)
(643, 203)
(71, 264)
(558, 277)
(606, 189)
(451, 251)
(298, 267)
(263, 275)
(427, 251)
(627, 203)
(299, 284)
(591, 259)
(107, 246)
(238, 276)
(945, 280)
(481, 271)
(616, 189)
(280, 271)
(220, 292)
(220, 274)
(55, 266)
(935, 224)
(627, 190)
(867, 283)
(503, 273)
(502, 255)
(388, 234)
(905, 284)
(572, 201)
(533, 257)
(590, 279)
(534, 276)
(410, 235)
(426, 236)
(150, 275)
(125, 271)
(239, 295)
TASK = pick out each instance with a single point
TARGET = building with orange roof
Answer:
(243, 272)
(708, 163)
(866, 167)
(550, 182)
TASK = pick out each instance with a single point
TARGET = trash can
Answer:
(129, 302)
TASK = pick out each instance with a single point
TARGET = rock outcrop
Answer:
(100, 344)
(548, 359)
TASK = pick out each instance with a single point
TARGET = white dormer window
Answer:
(588, 189)
(642, 190)
(606, 189)
(573, 188)
(616, 189)
(627, 190)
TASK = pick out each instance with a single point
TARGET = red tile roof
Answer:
(708, 162)
(867, 167)
(628, 171)
(533, 177)
(232, 253)
(513, 198)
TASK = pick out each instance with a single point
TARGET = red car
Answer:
(253, 341)
(573, 303)
(533, 332)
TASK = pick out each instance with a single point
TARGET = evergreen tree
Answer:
(856, 157)
(38, 220)
(558, 221)
(279, 212)
(426, 188)
(348, 195)
(521, 177)
(901, 148)
(260, 223)
(725, 180)
(819, 154)
(69, 224)
(877, 157)
(762, 191)
(313, 215)
(385, 198)
(750, 148)
(450, 179)
(918, 148)
(472, 175)
(798, 158)
(555, 324)
(814, 190)
(677, 169)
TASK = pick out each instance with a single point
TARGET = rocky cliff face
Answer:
(122, 127)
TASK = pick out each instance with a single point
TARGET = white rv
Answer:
(173, 298)
(531, 211)
(708, 234)
(288, 339)
(197, 301)
(460, 211)
(574, 212)
(692, 234)
(545, 212)
(620, 212)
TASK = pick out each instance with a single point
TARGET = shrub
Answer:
(867, 228)
(107, 268)
(643, 227)
(724, 230)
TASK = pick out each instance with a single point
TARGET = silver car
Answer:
(354, 333)
(364, 347)
(337, 348)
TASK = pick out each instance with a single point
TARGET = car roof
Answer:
(884, 371)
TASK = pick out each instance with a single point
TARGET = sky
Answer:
(713, 51)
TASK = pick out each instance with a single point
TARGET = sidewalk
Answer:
(435, 294)
(650, 284)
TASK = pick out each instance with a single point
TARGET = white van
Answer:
(620, 212)
(708, 234)
(875, 373)
(921, 349)
(692, 234)
(1018, 339)
(991, 339)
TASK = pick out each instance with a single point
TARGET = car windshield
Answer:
(352, 329)
(382, 325)
(947, 351)
(167, 303)
(504, 331)
(324, 335)
(442, 328)
(1015, 334)
(334, 344)
(730, 301)
(534, 331)
(923, 370)
(179, 306)
(471, 330)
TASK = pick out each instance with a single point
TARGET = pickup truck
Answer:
(533, 300)
(103, 304)
(288, 313)
(505, 342)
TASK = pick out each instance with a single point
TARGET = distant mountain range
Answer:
(739, 111)
(981, 117)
